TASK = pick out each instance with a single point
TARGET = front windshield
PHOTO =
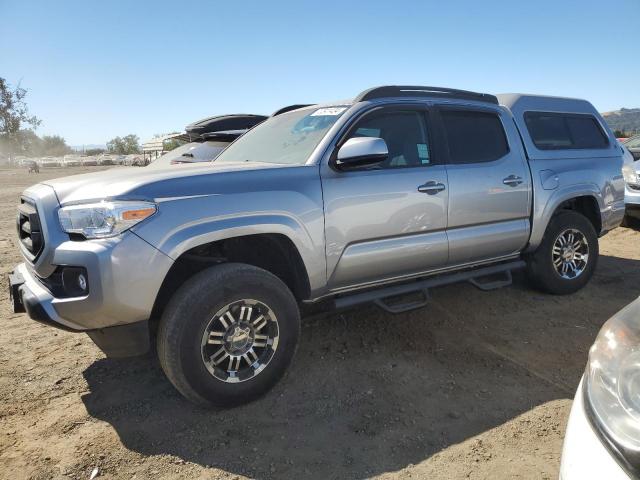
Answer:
(288, 138)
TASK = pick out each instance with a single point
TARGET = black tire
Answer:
(626, 222)
(540, 268)
(192, 309)
(630, 222)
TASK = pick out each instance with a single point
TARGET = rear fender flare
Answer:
(542, 218)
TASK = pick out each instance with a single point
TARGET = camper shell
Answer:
(523, 106)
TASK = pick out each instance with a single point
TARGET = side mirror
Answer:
(361, 151)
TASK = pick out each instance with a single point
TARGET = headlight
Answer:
(104, 219)
(613, 382)
(630, 175)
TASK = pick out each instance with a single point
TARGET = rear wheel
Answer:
(566, 258)
(630, 222)
(228, 335)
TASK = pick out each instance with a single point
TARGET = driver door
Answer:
(387, 221)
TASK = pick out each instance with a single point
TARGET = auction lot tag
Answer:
(328, 112)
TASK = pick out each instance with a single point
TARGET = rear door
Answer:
(387, 221)
(489, 184)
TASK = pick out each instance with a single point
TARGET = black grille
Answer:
(29, 231)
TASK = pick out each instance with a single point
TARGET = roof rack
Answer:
(224, 123)
(418, 91)
(288, 108)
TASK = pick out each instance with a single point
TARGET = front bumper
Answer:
(584, 456)
(125, 274)
(632, 202)
(29, 296)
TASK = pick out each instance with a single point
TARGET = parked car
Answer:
(48, 162)
(195, 152)
(139, 161)
(631, 173)
(72, 160)
(633, 144)
(602, 439)
(90, 161)
(119, 159)
(21, 160)
(210, 137)
(398, 191)
(106, 159)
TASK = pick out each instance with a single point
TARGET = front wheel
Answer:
(228, 335)
(566, 258)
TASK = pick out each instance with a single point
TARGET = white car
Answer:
(106, 159)
(89, 161)
(602, 440)
(72, 160)
(46, 162)
(631, 173)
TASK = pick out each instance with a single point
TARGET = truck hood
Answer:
(140, 183)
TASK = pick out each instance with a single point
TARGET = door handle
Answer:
(512, 180)
(431, 188)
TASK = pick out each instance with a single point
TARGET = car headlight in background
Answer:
(630, 175)
(104, 219)
(612, 387)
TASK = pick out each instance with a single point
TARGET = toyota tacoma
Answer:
(377, 199)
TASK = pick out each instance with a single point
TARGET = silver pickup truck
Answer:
(376, 199)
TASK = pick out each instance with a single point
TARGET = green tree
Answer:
(124, 145)
(54, 146)
(30, 143)
(93, 152)
(171, 144)
(14, 116)
(623, 133)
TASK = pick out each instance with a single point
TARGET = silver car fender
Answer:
(543, 212)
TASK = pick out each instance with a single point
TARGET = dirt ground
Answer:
(476, 385)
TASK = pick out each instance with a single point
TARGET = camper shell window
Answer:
(565, 131)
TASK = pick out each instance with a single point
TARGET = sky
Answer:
(96, 70)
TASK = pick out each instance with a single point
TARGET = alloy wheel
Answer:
(240, 341)
(570, 254)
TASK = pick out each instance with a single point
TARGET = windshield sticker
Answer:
(328, 112)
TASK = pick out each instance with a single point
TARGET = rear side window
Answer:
(474, 137)
(558, 131)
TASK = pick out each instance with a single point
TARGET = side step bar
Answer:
(379, 295)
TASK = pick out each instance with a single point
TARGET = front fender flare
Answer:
(193, 234)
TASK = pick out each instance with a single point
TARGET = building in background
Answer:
(155, 147)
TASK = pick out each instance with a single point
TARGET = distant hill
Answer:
(625, 119)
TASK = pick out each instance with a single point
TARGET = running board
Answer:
(492, 284)
(381, 296)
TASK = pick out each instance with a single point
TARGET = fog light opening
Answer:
(82, 282)
(75, 281)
